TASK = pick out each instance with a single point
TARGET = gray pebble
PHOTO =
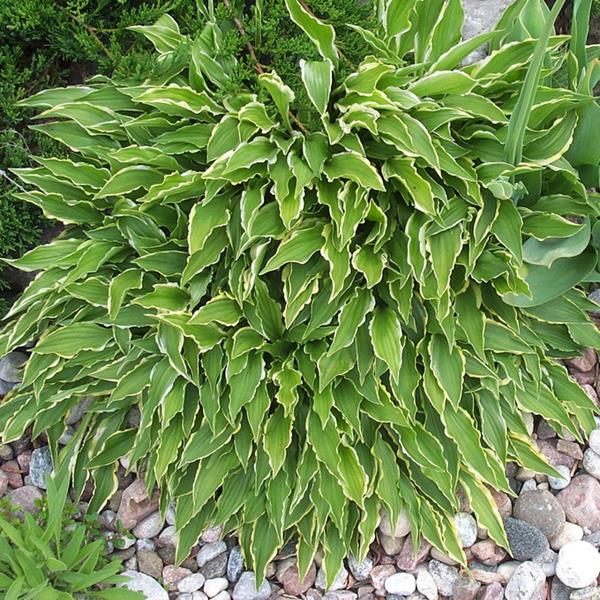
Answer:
(246, 588)
(591, 463)
(210, 551)
(235, 564)
(525, 540)
(560, 483)
(10, 367)
(40, 467)
(445, 576)
(527, 583)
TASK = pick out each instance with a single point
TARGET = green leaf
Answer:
(70, 340)
(317, 77)
(353, 166)
(386, 337)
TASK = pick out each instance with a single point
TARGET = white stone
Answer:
(168, 536)
(402, 528)
(339, 582)
(148, 528)
(578, 564)
(560, 483)
(594, 441)
(360, 569)
(547, 562)
(191, 583)
(222, 596)
(426, 585)
(170, 514)
(214, 586)
(139, 582)
(591, 463)
(210, 551)
(467, 528)
(570, 533)
(390, 545)
(526, 583)
(201, 596)
(402, 584)
(506, 569)
(528, 486)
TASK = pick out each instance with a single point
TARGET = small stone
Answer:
(10, 367)
(203, 596)
(593, 539)
(466, 527)
(135, 504)
(558, 590)
(426, 585)
(524, 474)
(235, 564)
(76, 412)
(360, 569)
(123, 542)
(547, 561)
(339, 581)
(594, 441)
(246, 588)
(578, 564)
(379, 574)
(408, 559)
(402, 528)
(572, 449)
(150, 563)
(570, 533)
(212, 534)
(139, 582)
(581, 502)
(167, 554)
(170, 515)
(215, 586)
(585, 362)
(25, 498)
(217, 567)
(131, 564)
(488, 552)
(560, 483)
(40, 467)
(191, 583)
(391, 545)
(527, 583)
(494, 591)
(443, 558)
(402, 584)
(341, 595)
(591, 463)
(588, 593)
(168, 537)
(528, 486)
(292, 583)
(6, 452)
(465, 588)
(506, 569)
(210, 551)
(172, 575)
(503, 503)
(525, 540)
(224, 595)
(549, 448)
(542, 510)
(144, 544)
(3, 483)
(445, 577)
(149, 527)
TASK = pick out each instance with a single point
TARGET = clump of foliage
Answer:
(316, 323)
(52, 556)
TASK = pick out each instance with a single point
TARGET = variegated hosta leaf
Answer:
(311, 326)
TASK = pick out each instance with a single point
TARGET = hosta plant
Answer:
(290, 329)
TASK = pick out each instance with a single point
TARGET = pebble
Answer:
(445, 576)
(10, 367)
(558, 590)
(585, 362)
(466, 587)
(339, 581)
(528, 582)
(494, 591)
(528, 486)
(402, 584)
(139, 582)
(466, 527)
(144, 544)
(507, 569)
(503, 503)
(217, 567)
(488, 552)
(3, 483)
(246, 588)
(150, 563)
(149, 527)
(542, 510)
(224, 595)
(360, 569)
(572, 449)
(170, 514)
(215, 586)
(391, 545)
(426, 585)
(591, 463)
(547, 561)
(560, 483)
(135, 504)
(588, 593)
(6, 452)
(581, 502)
(25, 498)
(570, 533)
(235, 564)
(408, 559)
(172, 575)
(212, 534)
(191, 583)
(443, 558)
(210, 551)
(379, 574)
(578, 564)
(292, 583)
(594, 441)
(402, 528)
(40, 467)
(525, 540)
(168, 536)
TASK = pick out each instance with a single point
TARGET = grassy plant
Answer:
(315, 320)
